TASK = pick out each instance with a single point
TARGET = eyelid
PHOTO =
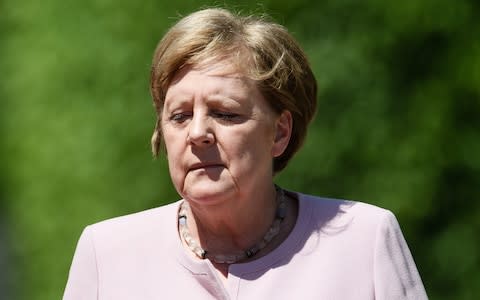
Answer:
(179, 116)
(224, 115)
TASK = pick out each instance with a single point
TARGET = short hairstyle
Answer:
(277, 64)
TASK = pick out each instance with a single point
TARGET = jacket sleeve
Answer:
(395, 273)
(82, 281)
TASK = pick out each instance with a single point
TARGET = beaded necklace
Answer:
(195, 247)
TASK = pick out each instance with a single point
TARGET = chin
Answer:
(212, 193)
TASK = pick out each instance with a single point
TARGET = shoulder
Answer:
(123, 252)
(361, 235)
(334, 209)
(345, 225)
(345, 218)
(146, 217)
(135, 227)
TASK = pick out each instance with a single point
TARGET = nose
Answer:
(200, 132)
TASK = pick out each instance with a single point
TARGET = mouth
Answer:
(204, 166)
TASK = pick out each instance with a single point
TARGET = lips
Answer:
(198, 166)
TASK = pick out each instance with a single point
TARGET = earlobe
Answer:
(283, 132)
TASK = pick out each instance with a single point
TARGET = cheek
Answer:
(173, 153)
(170, 140)
(250, 149)
(177, 173)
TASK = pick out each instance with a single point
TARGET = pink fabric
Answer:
(337, 250)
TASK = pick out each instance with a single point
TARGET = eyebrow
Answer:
(180, 101)
(219, 99)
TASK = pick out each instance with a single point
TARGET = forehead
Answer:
(220, 77)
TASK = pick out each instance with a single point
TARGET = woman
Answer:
(233, 97)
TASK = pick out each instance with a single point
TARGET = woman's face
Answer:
(220, 134)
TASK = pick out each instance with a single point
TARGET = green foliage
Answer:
(397, 126)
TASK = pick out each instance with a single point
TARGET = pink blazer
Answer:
(337, 250)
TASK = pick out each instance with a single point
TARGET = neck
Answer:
(234, 225)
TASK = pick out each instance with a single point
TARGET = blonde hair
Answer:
(277, 64)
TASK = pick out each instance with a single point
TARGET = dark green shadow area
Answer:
(8, 269)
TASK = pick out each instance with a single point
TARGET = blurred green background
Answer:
(398, 125)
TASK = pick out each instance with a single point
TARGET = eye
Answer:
(179, 117)
(226, 116)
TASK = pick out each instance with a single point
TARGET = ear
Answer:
(283, 132)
